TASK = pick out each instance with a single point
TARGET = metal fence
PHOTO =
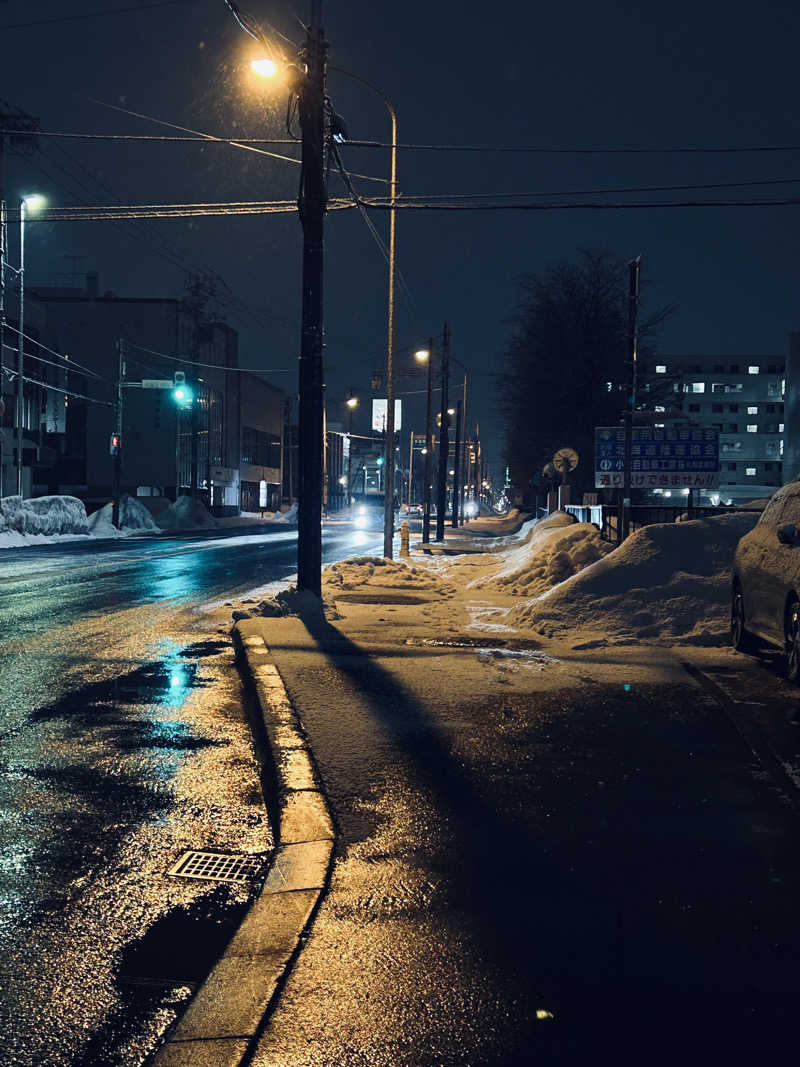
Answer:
(606, 516)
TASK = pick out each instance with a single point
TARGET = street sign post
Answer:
(683, 457)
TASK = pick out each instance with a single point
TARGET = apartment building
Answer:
(740, 396)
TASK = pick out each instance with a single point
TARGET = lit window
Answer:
(752, 427)
(752, 411)
(750, 472)
(660, 407)
(698, 387)
(752, 370)
(780, 427)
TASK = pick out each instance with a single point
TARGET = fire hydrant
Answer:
(404, 540)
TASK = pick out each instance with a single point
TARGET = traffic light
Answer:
(115, 444)
(180, 390)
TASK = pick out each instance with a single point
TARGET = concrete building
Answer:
(740, 396)
(229, 436)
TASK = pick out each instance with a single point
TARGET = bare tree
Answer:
(564, 362)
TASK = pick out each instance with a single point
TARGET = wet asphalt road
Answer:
(584, 876)
(124, 743)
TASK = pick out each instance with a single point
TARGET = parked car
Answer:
(765, 588)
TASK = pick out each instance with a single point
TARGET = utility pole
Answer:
(116, 517)
(2, 295)
(426, 517)
(457, 466)
(21, 346)
(311, 204)
(633, 310)
(444, 439)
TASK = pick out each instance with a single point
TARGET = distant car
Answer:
(367, 512)
(765, 587)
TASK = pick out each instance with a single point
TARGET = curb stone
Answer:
(222, 1023)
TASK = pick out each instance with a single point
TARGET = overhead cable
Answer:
(12, 374)
(517, 149)
(73, 364)
(212, 366)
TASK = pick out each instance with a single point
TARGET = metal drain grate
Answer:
(217, 866)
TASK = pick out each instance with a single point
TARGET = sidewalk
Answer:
(546, 849)
(537, 859)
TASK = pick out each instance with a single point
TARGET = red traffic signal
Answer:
(115, 444)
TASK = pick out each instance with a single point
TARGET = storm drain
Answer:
(218, 866)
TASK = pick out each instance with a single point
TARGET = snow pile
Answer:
(288, 517)
(668, 582)
(374, 570)
(135, 518)
(186, 514)
(556, 548)
(43, 515)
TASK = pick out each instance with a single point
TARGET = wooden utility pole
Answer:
(311, 203)
(426, 498)
(444, 438)
(633, 312)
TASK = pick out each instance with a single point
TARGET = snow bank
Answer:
(48, 515)
(289, 516)
(186, 514)
(135, 518)
(668, 582)
(554, 549)
(374, 570)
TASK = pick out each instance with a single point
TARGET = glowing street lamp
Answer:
(264, 67)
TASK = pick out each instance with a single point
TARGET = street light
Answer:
(425, 355)
(30, 202)
(264, 67)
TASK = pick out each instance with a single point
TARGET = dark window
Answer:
(734, 368)
(719, 368)
(694, 407)
(716, 407)
(731, 466)
(732, 427)
(770, 410)
(779, 466)
(695, 368)
(767, 467)
(259, 448)
(772, 368)
(733, 407)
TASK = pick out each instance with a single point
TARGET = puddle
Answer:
(183, 945)
(531, 658)
(453, 642)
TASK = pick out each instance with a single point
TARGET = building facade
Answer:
(742, 397)
(227, 434)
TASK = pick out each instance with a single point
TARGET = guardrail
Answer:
(606, 516)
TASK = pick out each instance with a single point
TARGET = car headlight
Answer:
(361, 521)
(362, 510)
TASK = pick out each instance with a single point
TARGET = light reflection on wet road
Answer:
(124, 743)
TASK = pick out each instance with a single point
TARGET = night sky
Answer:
(562, 75)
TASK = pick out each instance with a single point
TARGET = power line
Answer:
(11, 374)
(92, 14)
(518, 149)
(73, 365)
(213, 366)
(594, 192)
